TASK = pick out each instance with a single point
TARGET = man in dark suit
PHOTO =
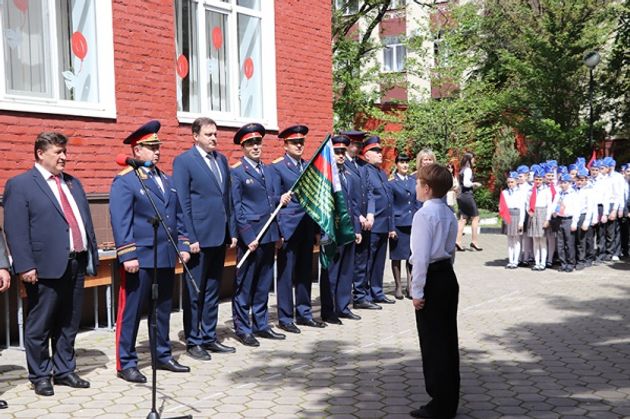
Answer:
(362, 197)
(254, 198)
(50, 235)
(297, 229)
(131, 213)
(202, 180)
(383, 225)
(5, 283)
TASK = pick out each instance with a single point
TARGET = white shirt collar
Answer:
(252, 162)
(45, 173)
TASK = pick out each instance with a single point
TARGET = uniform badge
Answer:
(249, 181)
(141, 191)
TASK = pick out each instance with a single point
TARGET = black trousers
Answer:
(580, 242)
(624, 234)
(566, 243)
(437, 330)
(600, 232)
(54, 315)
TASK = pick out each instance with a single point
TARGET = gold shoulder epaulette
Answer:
(235, 165)
(125, 171)
(279, 159)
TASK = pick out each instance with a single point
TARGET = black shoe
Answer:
(71, 380)
(332, 320)
(173, 366)
(385, 300)
(459, 247)
(133, 375)
(43, 387)
(3, 404)
(423, 412)
(289, 327)
(198, 352)
(248, 339)
(270, 334)
(311, 323)
(474, 246)
(579, 267)
(523, 264)
(218, 347)
(366, 305)
(350, 315)
(548, 265)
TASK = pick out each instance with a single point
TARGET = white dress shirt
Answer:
(210, 161)
(565, 204)
(49, 177)
(467, 178)
(543, 200)
(433, 234)
(514, 198)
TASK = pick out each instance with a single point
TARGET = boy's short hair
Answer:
(439, 179)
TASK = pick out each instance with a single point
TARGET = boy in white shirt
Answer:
(565, 207)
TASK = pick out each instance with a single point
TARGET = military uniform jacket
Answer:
(254, 198)
(130, 211)
(286, 173)
(405, 203)
(360, 189)
(383, 208)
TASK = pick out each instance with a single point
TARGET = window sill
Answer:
(82, 109)
(224, 120)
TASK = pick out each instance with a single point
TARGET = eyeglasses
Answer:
(339, 151)
(252, 142)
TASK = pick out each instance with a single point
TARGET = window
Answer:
(394, 54)
(348, 7)
(397, 4)
(220, 72)
(58, 58)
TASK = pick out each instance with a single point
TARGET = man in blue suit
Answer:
(254, 198)
(383, 225)
(297, 229)
(50, 235)
(202, 180)
(362, 197)
(131, 213)
(336, 281)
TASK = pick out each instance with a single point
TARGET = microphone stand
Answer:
(156, 221)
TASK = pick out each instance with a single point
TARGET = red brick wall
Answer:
(144, 59)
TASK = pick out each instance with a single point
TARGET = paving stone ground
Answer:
(533, 344)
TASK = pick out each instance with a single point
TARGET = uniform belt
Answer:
(565, 218)
(76, 255)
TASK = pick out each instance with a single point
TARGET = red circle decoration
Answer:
(217, 37)
(79, 45)
(22, 5)
(248, 67)
(182, 66)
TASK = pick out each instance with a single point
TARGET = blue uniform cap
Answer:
(534, 167)
(580, 161)
(582, 172)
(146, 134)
(565, 178)
(354, 135)
(552, 163)
(340, 141)
(371, 143)
(249, 131)
(547, 168)
(294, 132)
(513, 175)
(562, 170)
(539, 172)
(572, 167)
(402, 157)
(522, 169)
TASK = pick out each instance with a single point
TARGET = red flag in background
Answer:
(504, 211)
(593, 158)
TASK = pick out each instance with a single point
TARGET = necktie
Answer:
(301, 167)
(156, 179)
(259, 169)
(214, 167)
(77, 240)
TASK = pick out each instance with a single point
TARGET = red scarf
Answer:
(532, 200)
(504, 211)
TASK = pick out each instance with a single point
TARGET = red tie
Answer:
(77, 241)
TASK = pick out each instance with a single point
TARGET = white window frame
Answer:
(106, 107)
(268, 46)
(394, 47)
(344, 6)
(397, 4)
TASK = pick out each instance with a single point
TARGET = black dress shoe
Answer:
(43, 387)
(350, 315)
(133, 375)
(459, 247)
(366, 305)
(311, 323)
(289, 327)
(270, 334)
(248, 339)
(332, 320)
(71, 380)
(474, 246)
(198, 352)
(385, 300)
(218, 348)
(3, 404)
(173, 366)
(423, 412)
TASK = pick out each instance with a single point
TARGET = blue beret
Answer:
(354, 135)
(146, 134)
(572, 167)
(552, 163)
(548, 169)
(562, 170)
(249, 131)
(522, 169)
(535, 167)
(512, 175)
(294, 132)
(539, 172)
(582, 172)
(580, 161)
(565, 178)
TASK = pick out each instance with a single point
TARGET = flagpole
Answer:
(275, 212)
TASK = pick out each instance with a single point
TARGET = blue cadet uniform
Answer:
(383, 224)
(363, 199)
(131, 212)
(405, 205)
(254, 198)
(295, 257)
(202, 180)
(336, 281)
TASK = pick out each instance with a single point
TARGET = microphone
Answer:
(123, 160)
